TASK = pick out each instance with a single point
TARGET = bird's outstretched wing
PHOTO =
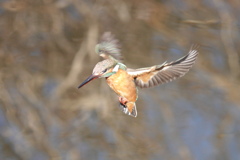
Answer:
(159, 74)
(109, 47)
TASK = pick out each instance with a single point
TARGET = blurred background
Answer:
(47, 50)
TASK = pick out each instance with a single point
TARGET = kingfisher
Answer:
(124, 81)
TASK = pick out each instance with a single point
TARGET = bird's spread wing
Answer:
(159, 74)
(109, 47)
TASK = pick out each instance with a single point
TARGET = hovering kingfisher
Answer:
(124, 81)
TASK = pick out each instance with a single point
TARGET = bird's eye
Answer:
(105, 70)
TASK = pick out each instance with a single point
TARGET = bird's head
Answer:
(102, 69)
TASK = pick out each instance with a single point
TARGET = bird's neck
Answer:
(115, 69)
(122, 66)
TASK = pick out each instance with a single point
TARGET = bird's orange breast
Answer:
(123, 84)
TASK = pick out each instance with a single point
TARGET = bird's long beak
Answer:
(90, 78)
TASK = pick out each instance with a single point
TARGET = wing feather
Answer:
(159, 74)
(109, 47)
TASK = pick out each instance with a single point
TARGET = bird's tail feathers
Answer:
(129, 108)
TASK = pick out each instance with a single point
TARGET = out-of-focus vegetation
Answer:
(47, 50)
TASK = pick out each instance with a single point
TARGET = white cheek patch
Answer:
(115, 69)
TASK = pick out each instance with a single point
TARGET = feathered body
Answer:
(123, 84)
(124, 81)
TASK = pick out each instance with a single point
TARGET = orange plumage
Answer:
(122, 83)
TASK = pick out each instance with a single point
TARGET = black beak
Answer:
(90, 78)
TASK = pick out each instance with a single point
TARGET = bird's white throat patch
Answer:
(115, 69)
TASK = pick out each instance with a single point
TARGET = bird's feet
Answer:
(122, 100)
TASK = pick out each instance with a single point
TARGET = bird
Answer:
(125, 81)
